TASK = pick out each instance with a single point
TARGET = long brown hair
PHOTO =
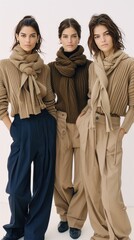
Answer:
(114, 31)
(28, 21)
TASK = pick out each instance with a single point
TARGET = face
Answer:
(103, 40)
(69, 39)
(27, 38)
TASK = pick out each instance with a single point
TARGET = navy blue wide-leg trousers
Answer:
(30, 198)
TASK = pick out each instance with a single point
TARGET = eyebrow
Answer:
(65, 34)
(30, 33)
(103, 33)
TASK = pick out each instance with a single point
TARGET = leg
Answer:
(77, 211)
(43, 179)
(18, 184)
(63, 180)
(115, 210)
(92, 183)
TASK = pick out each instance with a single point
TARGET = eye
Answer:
(107, 33)
(33, 35)
(65, 36)
(96, 36)
(75, 36)
(23, 35)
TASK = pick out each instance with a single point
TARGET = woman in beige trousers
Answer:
(69, 77)
(111, 92)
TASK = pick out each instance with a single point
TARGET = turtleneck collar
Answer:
(68, 54)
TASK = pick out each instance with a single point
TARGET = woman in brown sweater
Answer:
(111, 93)
(69, 75)
(25, 84)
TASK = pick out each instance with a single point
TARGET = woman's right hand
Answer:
(6, 120)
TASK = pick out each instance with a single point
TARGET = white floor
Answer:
(52, 233)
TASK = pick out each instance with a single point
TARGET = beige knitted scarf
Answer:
(99, 96)
(30, 66)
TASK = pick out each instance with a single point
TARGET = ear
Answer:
(17, 37)
(60, 41)
(38, 38)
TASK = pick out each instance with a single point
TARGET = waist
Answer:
(111, 114)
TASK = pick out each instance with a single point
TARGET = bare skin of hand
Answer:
(6, 120)
(121, 133)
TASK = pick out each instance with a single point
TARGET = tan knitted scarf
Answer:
(30, 66)
(99, 96)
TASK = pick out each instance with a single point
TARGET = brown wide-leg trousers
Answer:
(101, 174)
(69, 193)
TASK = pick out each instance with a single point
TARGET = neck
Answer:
(68, 54)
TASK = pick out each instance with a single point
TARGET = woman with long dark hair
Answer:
(111, 96)
(25, 84)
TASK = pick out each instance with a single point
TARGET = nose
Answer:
(103, 38)
(69, 39)
(27, 39)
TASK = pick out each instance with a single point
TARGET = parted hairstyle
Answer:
(114, 31)
(28, 21)
(69, 22)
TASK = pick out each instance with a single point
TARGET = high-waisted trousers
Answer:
(101, 174)
(30, 195)
(69, 193)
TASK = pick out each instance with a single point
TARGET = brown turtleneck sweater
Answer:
(71, 91)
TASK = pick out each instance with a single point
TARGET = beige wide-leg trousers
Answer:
(101, 174)
(69, 193)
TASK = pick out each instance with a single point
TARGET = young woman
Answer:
(25, 84)
(111, 90)
(69, 74)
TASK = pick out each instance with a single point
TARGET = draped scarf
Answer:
(67, 66)
(30, 66)
(99, 96)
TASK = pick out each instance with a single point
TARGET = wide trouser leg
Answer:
(102, 182)
(77, 211)
(37, 137)
(69, 194)
(110, 167)
(18, 186)
(92, 183)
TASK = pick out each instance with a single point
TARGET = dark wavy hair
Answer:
(28, 21)
(114, 31)
(69, 22)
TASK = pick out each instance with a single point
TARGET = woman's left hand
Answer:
(121, 133)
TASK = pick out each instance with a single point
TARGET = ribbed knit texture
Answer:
(69, 77)
(26, 95)
(120, 86)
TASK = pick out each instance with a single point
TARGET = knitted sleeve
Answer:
(129, 118)
(3, 97)
(131, 85)
(50, 97)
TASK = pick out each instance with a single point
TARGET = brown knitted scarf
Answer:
(67, 67)
(29, 65)
(99, 96)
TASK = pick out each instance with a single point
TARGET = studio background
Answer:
(49, 14)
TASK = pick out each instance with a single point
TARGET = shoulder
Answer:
(128, 63)
(91, 65)
(6, 65)
(4, 62)
(88, 63)
(51, 64)
(46, 69)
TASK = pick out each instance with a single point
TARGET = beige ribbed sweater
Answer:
(120, 90)
(10, 79)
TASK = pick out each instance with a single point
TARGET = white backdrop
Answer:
(49, 13)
